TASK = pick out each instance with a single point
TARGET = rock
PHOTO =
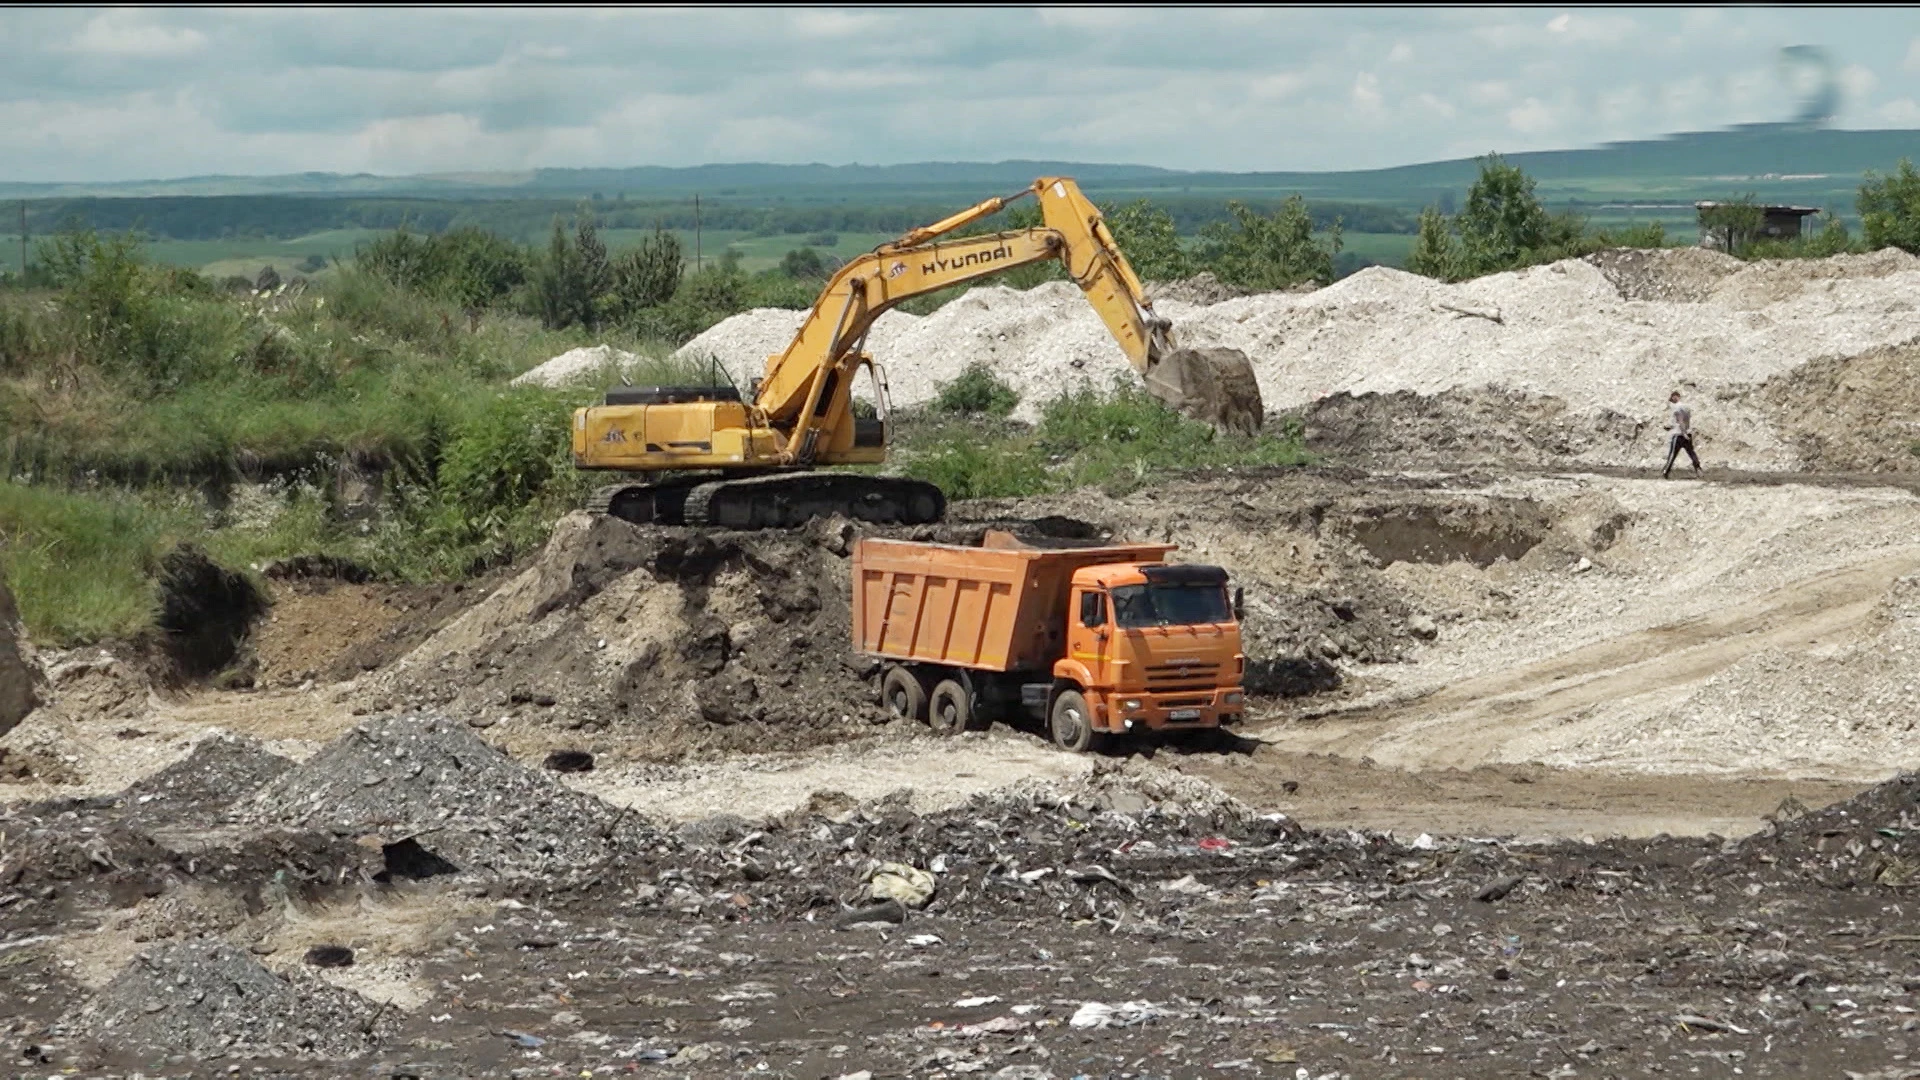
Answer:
(21, 684)
(1423, 628)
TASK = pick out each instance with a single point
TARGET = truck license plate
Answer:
(1184, 714)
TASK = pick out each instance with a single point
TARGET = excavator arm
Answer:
(826, 348)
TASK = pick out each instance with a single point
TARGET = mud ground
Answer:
(1534, 786)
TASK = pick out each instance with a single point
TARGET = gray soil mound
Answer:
(1852, 414)
(441, 801)
(208, 999)
(1465, 427)
(220, 771)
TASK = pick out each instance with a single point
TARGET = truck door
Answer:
(1092, 638)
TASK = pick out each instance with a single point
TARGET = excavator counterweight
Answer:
(721, 460)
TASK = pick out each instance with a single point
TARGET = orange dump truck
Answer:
(1092, 640)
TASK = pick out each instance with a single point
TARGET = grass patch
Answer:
(81, 567)
(1116, 439)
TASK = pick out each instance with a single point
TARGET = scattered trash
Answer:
(1096, 1014)
(898, 881)
(524, 1040)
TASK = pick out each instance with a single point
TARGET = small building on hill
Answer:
(1777, 223)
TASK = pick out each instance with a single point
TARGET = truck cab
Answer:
(1153, 646)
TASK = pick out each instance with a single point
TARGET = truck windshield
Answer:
(1170, 604)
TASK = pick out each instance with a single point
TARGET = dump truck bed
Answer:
(989, 608)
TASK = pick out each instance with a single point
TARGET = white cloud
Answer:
(1285, 84)
(1400, 53)
(1530, 117)
(1901, 112)
(1366, 92)
(1435, 105)
(818, 23)
(1559, 23)
(124, 33)
(1488, 92)
(1857, 81)
(1912, 63)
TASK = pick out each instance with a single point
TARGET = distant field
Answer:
(1387, 249)
(245, 257)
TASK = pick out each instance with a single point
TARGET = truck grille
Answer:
(1173, 678)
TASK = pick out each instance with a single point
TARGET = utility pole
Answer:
(696, 232)
(23, 242)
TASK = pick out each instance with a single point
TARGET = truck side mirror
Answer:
(1239, 604)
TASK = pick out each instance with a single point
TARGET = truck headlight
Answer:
(1233, 697)
(1130, 704)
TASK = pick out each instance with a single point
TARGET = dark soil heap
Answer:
(208, 999)
(441, 801)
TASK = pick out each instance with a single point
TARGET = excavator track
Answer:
(780, 501)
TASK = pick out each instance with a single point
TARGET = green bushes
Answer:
(1115, 438)
(1260, 252)
(1890, 209)
(977, 391)
(467, 266)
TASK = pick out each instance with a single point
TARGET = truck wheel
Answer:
(903, 694)
(949, 708)
(1072, 722)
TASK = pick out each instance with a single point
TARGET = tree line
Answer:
(1504, 226)
(276, 217)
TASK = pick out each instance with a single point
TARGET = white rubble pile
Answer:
(578, 365)
(1563, 329)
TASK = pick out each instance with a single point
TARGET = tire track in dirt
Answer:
(1472, 722)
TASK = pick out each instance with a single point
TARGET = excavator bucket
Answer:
(1215, 386)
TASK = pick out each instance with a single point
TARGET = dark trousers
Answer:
(1675, 444)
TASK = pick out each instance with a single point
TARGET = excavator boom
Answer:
(801, 414)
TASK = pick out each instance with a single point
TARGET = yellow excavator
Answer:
(718, 459)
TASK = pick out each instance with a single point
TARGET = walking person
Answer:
(1680, 436)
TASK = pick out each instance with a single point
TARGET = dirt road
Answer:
(1520, 714)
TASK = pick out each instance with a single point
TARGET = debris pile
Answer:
(205, 1000)
(439, 800)
(1634, 318)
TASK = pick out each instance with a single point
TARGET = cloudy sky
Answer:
(125, 93)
